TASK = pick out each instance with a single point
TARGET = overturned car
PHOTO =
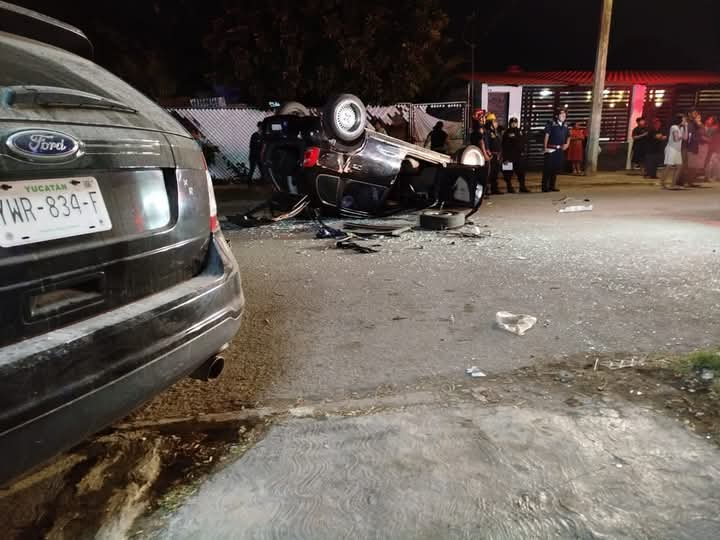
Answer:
(346, 168)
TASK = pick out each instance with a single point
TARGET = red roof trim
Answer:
(585, 78)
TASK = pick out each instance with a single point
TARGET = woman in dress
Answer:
(576, 148)
(673, 152)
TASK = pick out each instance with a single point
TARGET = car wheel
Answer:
(345, 118)
(440, 220)
(470, 155)
(293, 108)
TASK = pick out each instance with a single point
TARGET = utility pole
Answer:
(470, 38)
(593, 143)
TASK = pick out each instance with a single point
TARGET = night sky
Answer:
(534, 34)
(562, 34)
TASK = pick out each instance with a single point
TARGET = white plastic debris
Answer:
(576, 208)
(475, 372)
(516, 324)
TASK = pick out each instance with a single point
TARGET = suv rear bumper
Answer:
(60, 387)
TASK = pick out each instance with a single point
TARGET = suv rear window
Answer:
(27, 62)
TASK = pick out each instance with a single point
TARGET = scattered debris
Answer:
(570, 201)
(281, 206)
(348, 244)
(707, 374)
(475, 372)
(329, 232)
(573, 205)
(576, 208)
(623, 363)
(516, 324)
(472, 232)
(565, 377)
(369, 229)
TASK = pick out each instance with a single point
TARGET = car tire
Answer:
(345, 118)
(440, 220)
(470, 155)
(293, 108)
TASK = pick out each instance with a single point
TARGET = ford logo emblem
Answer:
(43, 146)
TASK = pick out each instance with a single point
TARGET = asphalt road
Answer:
(354, 364)
(638, 274)
(531, 459)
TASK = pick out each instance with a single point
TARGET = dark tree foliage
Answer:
(289, 50)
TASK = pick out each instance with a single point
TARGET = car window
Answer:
(27, 62)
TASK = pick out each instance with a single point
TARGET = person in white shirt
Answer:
(673, 152)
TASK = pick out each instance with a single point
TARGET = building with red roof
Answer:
(533, 96)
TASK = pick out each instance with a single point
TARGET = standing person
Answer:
(640, 144)
(674, 152)
(656, 141)
(576, 150)
(513, 156)
(476, 134)
(689, 146)
(697, 149)
(493, 147)
(255, 147)
(438, 138)
(555, 144)
(712, 162)
(477, 138)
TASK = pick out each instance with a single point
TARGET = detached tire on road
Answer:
(440, 220)
(345, 118)
(293, 108)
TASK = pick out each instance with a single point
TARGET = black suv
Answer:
(115, 280)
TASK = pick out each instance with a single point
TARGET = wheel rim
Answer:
(347, 117)
(472, 157)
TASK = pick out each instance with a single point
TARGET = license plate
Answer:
(40, 210)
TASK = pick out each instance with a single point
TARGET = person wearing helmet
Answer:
(556, 142)
(493, 149)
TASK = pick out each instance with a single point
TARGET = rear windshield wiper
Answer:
(55, 96)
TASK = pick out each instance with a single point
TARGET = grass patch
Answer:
(697, 361)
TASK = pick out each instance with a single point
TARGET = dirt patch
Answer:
(656, 383)
(100, 488)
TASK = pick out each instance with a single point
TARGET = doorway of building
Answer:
(498, 103)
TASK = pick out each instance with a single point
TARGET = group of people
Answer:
(690, 149)
(504, 150)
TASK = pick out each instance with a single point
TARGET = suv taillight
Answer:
(214, 222)
(311, 156)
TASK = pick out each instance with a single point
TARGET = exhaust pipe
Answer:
(210, 369)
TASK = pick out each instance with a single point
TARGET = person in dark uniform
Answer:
(557, 135)
(438, 138)
(476, 133)
(255, 147)
(513, 156)
(655, 150)
(640, 143)
(493, 145)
